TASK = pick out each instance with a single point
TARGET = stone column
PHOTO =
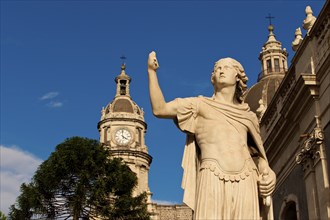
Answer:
(318, 151)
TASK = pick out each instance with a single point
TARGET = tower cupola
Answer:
(273, 68)
(122, 105)
(273, 58)
(123, 81)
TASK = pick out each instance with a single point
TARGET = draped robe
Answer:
(204, 178)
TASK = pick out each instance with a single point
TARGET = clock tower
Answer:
(122, 129)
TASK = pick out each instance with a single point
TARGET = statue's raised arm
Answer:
(160, 108)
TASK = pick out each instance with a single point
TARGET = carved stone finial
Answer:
(102, 113)
(123, 66)
(298, 39)
(309, 20)
(271, 35)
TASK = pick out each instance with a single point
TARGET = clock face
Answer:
(123, 136)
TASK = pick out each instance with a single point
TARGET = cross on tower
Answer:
(123, 58)
(270, 18)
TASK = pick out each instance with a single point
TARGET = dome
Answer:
(264, 89)
(123, 106)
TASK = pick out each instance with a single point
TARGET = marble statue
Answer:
(224, 162)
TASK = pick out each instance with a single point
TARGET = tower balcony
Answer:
(271, 71)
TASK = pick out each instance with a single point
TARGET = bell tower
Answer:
(122, 129)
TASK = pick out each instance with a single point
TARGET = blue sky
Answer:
(59, 60)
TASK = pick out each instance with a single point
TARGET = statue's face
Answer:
(224, 74)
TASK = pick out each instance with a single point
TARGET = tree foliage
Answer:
(78, 181)
(2, 216)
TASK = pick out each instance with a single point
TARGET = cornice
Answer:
(285, 89)
(121, 119)
(124, 152)
(297, 96)
(322, 68)
(287, 97)
(283, 113)
(323, 15)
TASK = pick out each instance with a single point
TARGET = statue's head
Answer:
(241, 76)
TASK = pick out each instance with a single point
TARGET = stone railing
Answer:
(270, 71)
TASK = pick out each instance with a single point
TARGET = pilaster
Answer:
(312, 157)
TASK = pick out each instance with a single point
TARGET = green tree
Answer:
(2, 216)
(79, 181)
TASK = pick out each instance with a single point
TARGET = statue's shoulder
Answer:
(253, 117)
(204, 98)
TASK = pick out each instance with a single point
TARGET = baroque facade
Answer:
(295, 125)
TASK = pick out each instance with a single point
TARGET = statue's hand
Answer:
(267, 182)
(152, 61)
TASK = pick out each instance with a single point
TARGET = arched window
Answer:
(269, 66)
(290, 212)
(290, 208)
(277, 65)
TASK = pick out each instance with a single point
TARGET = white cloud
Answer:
(55, 104)
(52, 103)
(17, 167)
(164, 202)
(49, 95)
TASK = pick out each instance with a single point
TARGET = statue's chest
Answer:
(214, 125)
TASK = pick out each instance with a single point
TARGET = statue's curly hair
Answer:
(241, 85)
